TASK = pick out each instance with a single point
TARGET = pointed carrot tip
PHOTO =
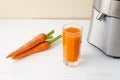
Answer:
(8, 56)
(14, 58)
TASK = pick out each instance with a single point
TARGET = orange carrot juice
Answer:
(71, 43)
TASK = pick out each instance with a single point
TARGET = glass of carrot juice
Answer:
(71, 39)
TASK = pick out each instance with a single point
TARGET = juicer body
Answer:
(104, 30)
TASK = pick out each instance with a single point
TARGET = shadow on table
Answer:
(88, 59)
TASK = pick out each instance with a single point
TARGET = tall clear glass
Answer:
(71, 39)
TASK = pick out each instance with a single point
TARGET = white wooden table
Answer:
(48, 65)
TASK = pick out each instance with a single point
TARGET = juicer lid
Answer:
(108, 7)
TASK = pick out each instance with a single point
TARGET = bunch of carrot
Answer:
(37, 44)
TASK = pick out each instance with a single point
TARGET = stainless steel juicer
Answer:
(104, 30)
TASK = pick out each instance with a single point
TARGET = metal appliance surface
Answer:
(104, 31)
(108, 7)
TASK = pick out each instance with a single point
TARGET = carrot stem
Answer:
(49, 35)
(55, 39)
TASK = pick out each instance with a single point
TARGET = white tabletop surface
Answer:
(48, 65)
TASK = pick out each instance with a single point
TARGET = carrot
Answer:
(40, 47)
(36, 40)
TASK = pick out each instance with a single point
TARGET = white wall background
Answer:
(61, 9)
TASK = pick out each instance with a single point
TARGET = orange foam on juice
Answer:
(71, 43)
